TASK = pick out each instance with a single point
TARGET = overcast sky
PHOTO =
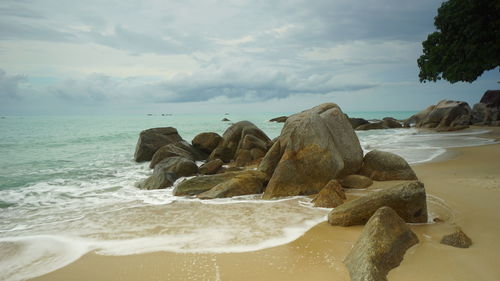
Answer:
(127, 56)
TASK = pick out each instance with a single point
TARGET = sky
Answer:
(209, 56)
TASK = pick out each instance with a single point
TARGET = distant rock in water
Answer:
(457, 239)
(447, 115)
(315, 146)
(281, 119)
(386, 166)
(356, 122)
(380, 247)
(487, 111)
(225, 120)
(151, 140)
(372, 126)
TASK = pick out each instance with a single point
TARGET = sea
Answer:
(68, 188)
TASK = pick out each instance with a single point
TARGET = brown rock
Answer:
(381, 246)
(170, 150)
(244, 183)
(372, 126)
(168, 171)
(385, 166)
(211, 167)
(280, 119)
(206, 142)
(356, 122)
(356, 181)
(225, 120)
(407, 199)
(331, 196)
(314, 147)
(391, 123)
(442, 116)
(457, 239)
(151, 140)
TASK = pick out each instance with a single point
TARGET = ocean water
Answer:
(67, 187)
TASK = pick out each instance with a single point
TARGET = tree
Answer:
(466, 43)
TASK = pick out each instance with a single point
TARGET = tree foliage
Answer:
(466, 43)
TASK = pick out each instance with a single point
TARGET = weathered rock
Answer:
(197, 185)
(356, 122)
(168, 171)
(211, 167)
(385, 166)
(232, 138)
(381, 246)
(280, 119)
(418, 117)
(445, 116)
(487, 112)
(391, 123)
(170, 150)
(372, 126)
(251, 148)
(457, 239)
(407, 199)
(315, 146)
(206, 142)
(244, 183)
(151, 140)
(331, 196)
(491, 98)
(356, 181)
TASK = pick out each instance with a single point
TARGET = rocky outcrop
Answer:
(457, 239)
(251, 148)
(235, 138)
(407, 199)
(206, 142)
(381, 246)
(356, 122)
(391, 123)
(384, 166)
(211, 167)
(200, 184)
(487, 111)
(168, 171)
(281, 119)
(415, 119)
(372, 126)
(331, 196)
(243, 183)
(315, 146)
(151, 140)
(177, 149)
(445, 116)
(356, 181)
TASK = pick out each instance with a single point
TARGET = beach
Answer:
(463, 189)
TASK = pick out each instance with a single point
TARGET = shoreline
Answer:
(467, 180)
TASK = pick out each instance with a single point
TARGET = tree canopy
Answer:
(466, 43)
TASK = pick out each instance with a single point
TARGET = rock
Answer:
(380, 247)
(225, 120)
(331, 196)
(445, 116)
(418, 117)
(233, 138)
(244, 183)
(457, 239)
(168, 171)
(391, 123)
(211, 167)
(280, 119)
(356, 122)
(356, 181)
(487, 112)
(491, 98)
(206, 142)
(407, 199)
(386, 166)
(197, 185)
(151, 140)
(315, 146)
(251, 148)
(170, 150)
(372, 126)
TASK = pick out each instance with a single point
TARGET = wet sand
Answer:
(462, 191)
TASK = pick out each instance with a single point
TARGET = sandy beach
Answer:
(463, 190)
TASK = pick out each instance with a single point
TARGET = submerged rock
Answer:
(206, 142)
(385, 166)
(244, 183)
(407, 199)
(457, 239)
(168, 171)
(225, 120)
(331, 196)
(315, 146)
(151, 140)
(356, 181)
(211, 167)
(381, 246)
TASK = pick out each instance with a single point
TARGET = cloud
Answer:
(10, 86)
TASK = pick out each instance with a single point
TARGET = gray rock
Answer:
(356, 122)
(170, 150)
(168, 171)
(457, 239)
(407, 199)
(372, 126)
(281, 119)
(152, 139)
(445, 116)
(381, 246)
(384, 166)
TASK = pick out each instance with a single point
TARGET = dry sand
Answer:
(462, 191)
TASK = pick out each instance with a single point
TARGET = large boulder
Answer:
(211, 167)
(251, 148)
(232, 141)
(244, 183)
(356, 122)
(391, 123)
(372, 126)
(445, 116)
(487, 111)
(206, 142)
(171, 150)
(407, 199)
(491, 98)
(381, 246)
(168, 171)
(200, 184)
(356, 181)
(315, 146)
(385, 166)
(418, 117)
(331, 196)
(151, 140)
